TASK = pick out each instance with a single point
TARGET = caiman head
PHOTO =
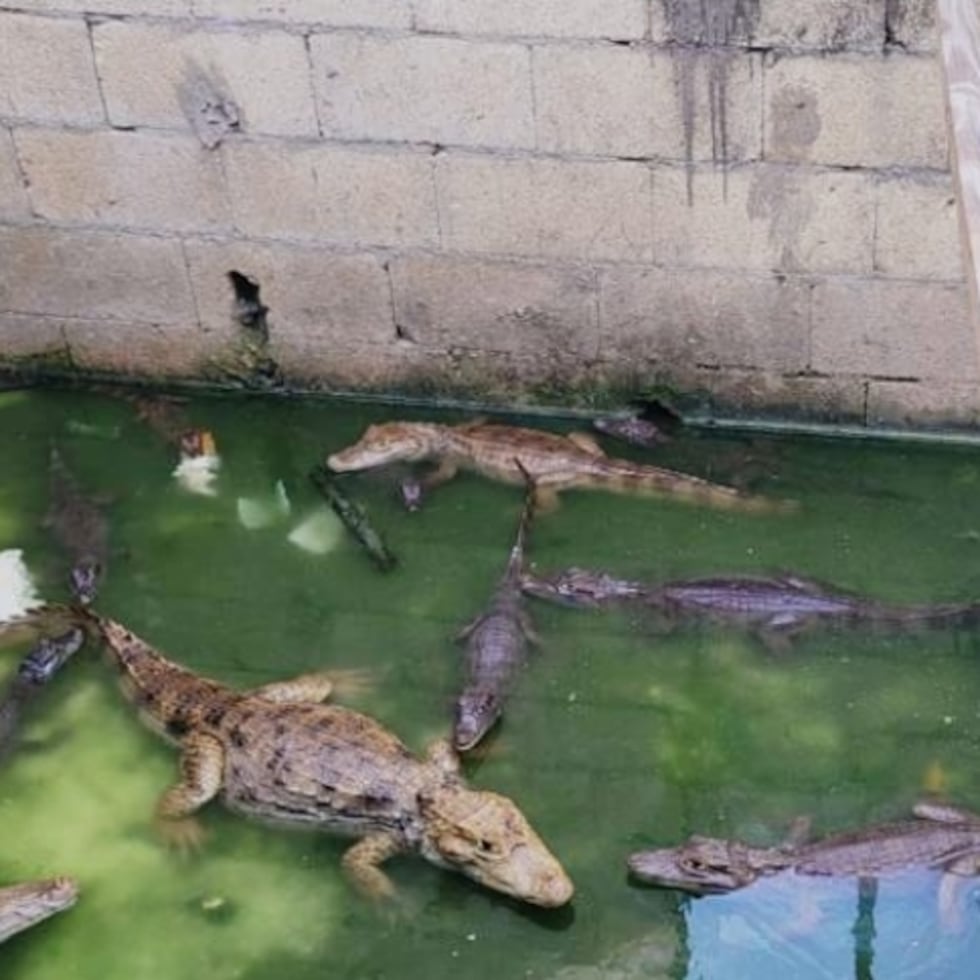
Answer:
(578, 587)
(48, 656)
(389, 442)
(485, 837)
(85, 577)
(701, 866)
(477, 712)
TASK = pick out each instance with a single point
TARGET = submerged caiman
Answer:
(278, 753)
(554, 462)
(496, 647)
(940, 837)
(36, 669)
(81, 529)
(31, 902)
(776, 608)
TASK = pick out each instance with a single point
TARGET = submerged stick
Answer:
(354, 518)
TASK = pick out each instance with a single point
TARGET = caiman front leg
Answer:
(315, 687)
(202, 764)
(441, 754)
(360, 864)
(443, 473)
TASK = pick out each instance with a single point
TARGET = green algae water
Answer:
(618, 738)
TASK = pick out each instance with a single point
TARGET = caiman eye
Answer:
(487, 847)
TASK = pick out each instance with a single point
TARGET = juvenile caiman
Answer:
(30, 902)
(940, 838)
(775, 608)
(36, 669)
(554, 462)
(80, 528)
(280, 754)
(496, 647)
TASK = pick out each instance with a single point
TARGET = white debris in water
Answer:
(319, 533)
(17, 591)
(256, 512)
(197, 474)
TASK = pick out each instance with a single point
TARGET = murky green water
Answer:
(617, 739)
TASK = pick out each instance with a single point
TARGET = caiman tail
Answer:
(515, 564)
(634, 478)
(943, 616)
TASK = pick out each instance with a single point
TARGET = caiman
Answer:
(496, 647)
(555, 463)
(31, 902)
(36, 669)
(775, 608)
(940, 837)
(80, 528)
(278, 753)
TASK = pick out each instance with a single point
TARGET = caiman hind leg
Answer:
(441, 754)
(361, 865)
(545, 499)
(202, 764)
(316, 687)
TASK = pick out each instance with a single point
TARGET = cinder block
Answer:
(320, 363)
(594, 100)
(135, 179)
(395, 14)
(133, 348)
(708, 104)
(826, 25)
(914, 24)
(423, 89)
(130, 8)
(923, 403)
(46, 70)
(333, 194)
(312, 295)
(893, 329)
(105, 275)
(622, 20)
(560, 209)
(13, 196)
(149, 73)
(704, 318)
(24, 336)
(533, 311)
(917, 229)
(764, 218)
(852, 111)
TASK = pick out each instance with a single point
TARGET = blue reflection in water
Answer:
(913, 926)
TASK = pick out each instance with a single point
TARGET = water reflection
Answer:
(914, 926)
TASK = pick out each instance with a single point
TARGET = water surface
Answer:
(617, 739)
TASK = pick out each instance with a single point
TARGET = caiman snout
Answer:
(381, 444)
(85, 578)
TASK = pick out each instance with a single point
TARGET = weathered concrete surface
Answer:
(568, 200)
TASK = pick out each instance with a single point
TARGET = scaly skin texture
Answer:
(496, 648)
(942, 837)
(554, 462)
(24, 905)
(80, 528)
(775, 608)
(279, 754)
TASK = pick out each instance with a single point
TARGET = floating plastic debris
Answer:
(256, 512)
(18, 593)
(197, 474)
(318, 533)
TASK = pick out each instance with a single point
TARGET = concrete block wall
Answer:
(538, 199)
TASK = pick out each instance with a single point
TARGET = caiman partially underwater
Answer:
(31, 902)
(80, 528)
(940, 838)
(278, 753)
(775, 608)
(36, 669)
(554, 462)
(496, 647)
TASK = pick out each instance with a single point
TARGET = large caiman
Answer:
(279, 754)
(81, 529)
(776, 608)
(496, 647)
(37, 668)
(31, 902)
(941, 837)
(554, 462)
